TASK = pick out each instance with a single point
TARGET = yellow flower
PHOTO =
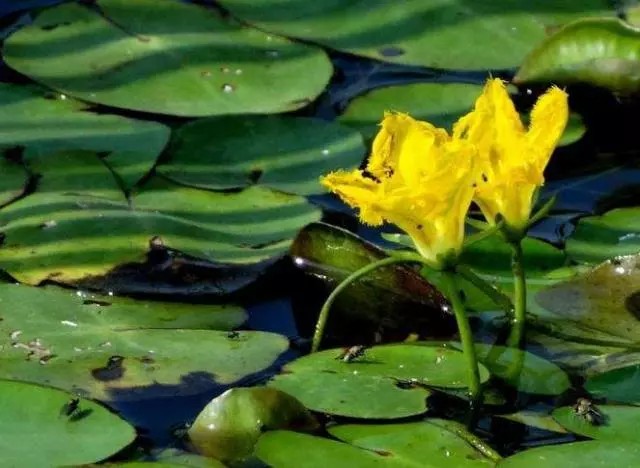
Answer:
(418, 178)
(512, 157)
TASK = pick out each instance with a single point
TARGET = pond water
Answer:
(117, 201)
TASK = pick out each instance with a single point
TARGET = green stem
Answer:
(324, 312)
(466, 336)
(520, 296)
(500, 299)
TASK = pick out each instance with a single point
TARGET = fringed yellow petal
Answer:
(356, 191)
(548, 120)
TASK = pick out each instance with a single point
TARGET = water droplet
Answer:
(238, 71)
(269, 38)
(62, 97)
(355, 372)
(620, 270)
(529, 91)
(205, 73)
(272, 53)
(325, 151)
(224, 69)
(110, 293)
(68, 323)
(227, 88)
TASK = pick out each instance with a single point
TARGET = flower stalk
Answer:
(519, 295)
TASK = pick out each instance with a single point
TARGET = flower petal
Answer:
(548, 120)
(357, 191)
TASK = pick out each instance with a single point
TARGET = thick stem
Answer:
(324, 312)
(519, 296)
(466, 336)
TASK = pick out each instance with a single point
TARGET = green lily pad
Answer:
(535, 419)
(230, 425)
(523, 370)
(618, 422)
(602, 299)
(40, 427)
(67, 235)
(285, 153)
(590, 454)
(484, 34)
(166, 57)
(118, 349)
(393, 376)
(13, 181)
(601, 52)
(415, 444)
(44, 125)
(176, 457)
(441, 104)
(618, 385)
(285, 449)
(597, 238)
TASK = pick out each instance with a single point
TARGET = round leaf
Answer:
(618, 422)
(590, 454)
(418, 444)
(43, 426)
(601, 52)
(483, 34)
(118, 349)
(284, 153)
(619, 385)
(597, 238)
(43, 125)
(167, 57)
(229, 426)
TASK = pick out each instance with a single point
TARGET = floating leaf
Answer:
(523, 370)
(619, 385)
(167, 57)
(285, 449)
(484, 34)
(617, 423)
(597, 238)
(13, 181)
(601, 300)
(535, 419)
(46, 125)
(601, 52)
(285, 153)
(441, 104)
(590, 454)
(230, 425)
(43, 426)
(68, 237)
(118, 349)
(420, 444)
(393, 377)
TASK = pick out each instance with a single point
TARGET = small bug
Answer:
(588, 411)
(70, 407)
(352, 353)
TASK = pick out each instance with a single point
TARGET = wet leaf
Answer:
(393, 377)
(590, 454)
(616, 423)
(285, 153)
(597, 238)
(43, 426)
(415, 444)
(602, 52)
(45, 124)
(230, 425)
(434, 33)
(166, 57)
(394, 300)
(67, 235)
(119, 349)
